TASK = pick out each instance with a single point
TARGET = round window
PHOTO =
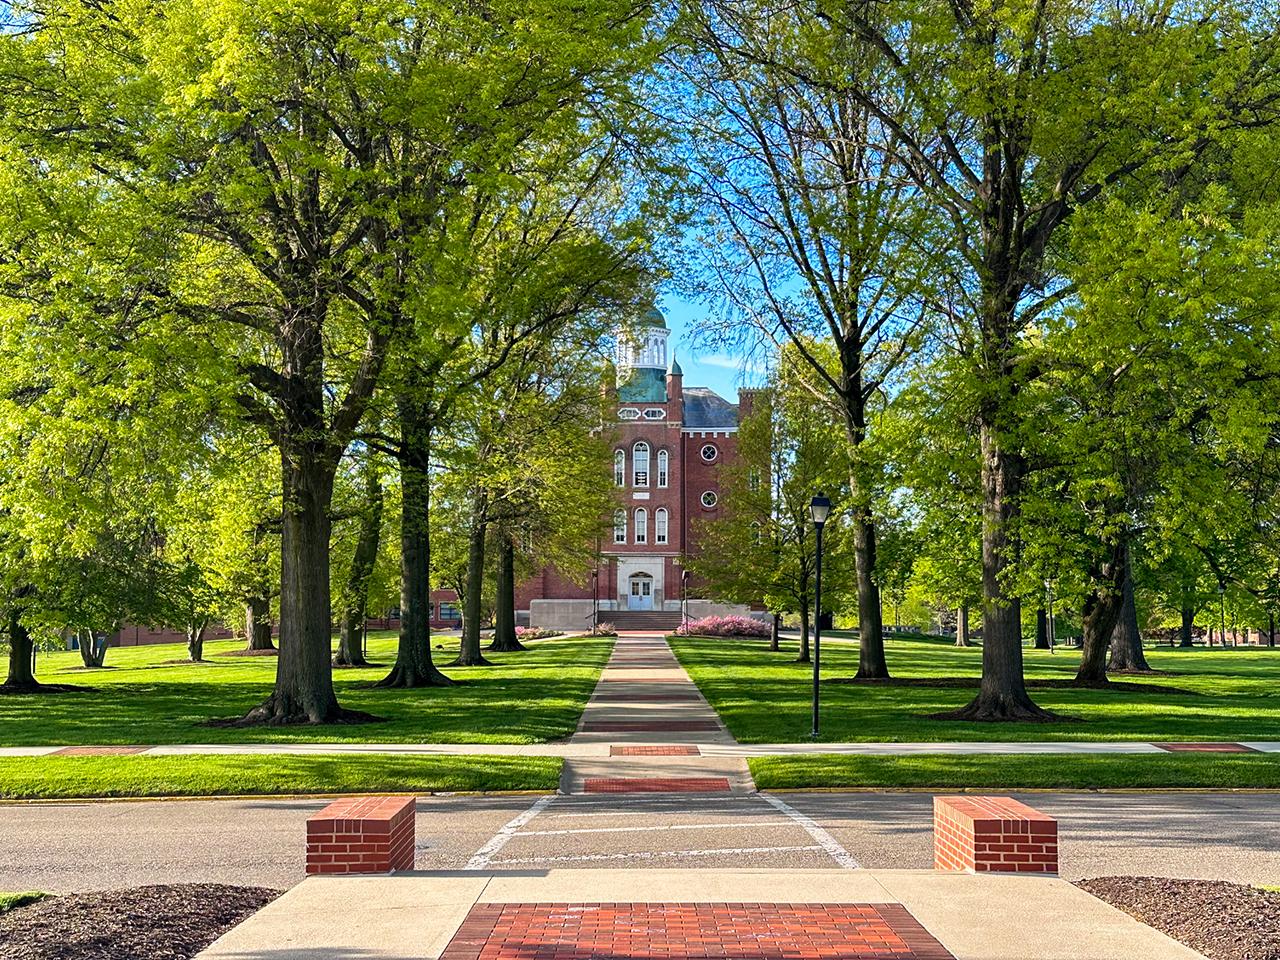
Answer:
(709, 499)
(709, 452)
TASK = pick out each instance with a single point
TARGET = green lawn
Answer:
(141, 698)
(1058, 771)
(10, 901)
(50, 778)
(764, 697)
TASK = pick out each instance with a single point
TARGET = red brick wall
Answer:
(993, 834)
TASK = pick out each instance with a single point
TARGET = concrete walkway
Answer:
(908, 915)
(655, 723)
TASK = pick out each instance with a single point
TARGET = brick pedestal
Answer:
(990, 834)
(361, 835)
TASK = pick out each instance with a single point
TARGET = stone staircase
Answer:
(654, 621)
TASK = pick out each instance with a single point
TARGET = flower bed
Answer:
(536, 633)
(732, 626)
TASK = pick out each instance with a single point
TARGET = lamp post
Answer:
(595, 601)
(819, 510)
(684, 597)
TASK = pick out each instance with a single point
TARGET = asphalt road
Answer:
(65, 847)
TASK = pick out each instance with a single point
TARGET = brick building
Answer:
(670, 443)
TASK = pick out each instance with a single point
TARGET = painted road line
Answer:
(480, 860)
(828, 843)
(677, 826)
(652, 855)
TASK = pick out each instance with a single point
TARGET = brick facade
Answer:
(993, 834)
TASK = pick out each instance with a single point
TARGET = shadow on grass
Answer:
(973, 683)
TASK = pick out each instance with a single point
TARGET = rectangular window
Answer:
(449, 611)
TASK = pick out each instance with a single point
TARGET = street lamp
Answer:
(595, 601)
(684, 597)
(819, 510)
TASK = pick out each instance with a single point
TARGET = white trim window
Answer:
(619, 468)
(642, 525)
(640, 464)
(663, 468)
(709, 452)
(709, 499)
(660, 525)
(619, 526)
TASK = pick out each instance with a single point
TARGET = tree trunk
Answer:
(92, 653)
(504, 621)
(1003, 691)
(773, 633)
(413, 666)
(962, 626)
(469, 654)
(304, 670)
(804, 635)
(21, 676)
(1042, 629)
(195, 640)
(355, 598)
(1184, 632)
(1126, 639)
(1102, 611)
(257, 626)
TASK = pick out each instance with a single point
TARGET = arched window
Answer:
(642, 525)
(619, 468)
(660, 522)
(640, 464)
(662, 468)
(620, 526)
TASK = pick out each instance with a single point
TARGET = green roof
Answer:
(653, 318)
(644, 385)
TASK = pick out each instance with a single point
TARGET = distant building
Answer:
(670, 444)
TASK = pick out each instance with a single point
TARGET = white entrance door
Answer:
(641, 593)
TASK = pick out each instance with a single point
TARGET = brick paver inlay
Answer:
(692, 931)
(617, 750)
(99, 751)
(1205, 747)
(655, 785)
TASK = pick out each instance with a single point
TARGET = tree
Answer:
(810, 230)
(353, 595)
(763, 546)
(1017, 117)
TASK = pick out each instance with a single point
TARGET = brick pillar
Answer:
(362, 835)
(993, 834)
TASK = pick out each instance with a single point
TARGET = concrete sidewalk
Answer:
(914, 914)
(593, 747)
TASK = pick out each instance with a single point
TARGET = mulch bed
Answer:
(1224, 921)
(269, 652)
(159, 923)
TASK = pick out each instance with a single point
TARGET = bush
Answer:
(604, 630)
(725, 627)
(536, 633)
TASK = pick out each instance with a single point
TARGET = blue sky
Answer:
(702, 367)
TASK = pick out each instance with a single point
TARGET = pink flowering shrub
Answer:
(724, 627)
(536, 633)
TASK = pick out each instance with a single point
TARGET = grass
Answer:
(764, 697)
(11, 901)
(1057, 771)
(60, 778)
(142, 697)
